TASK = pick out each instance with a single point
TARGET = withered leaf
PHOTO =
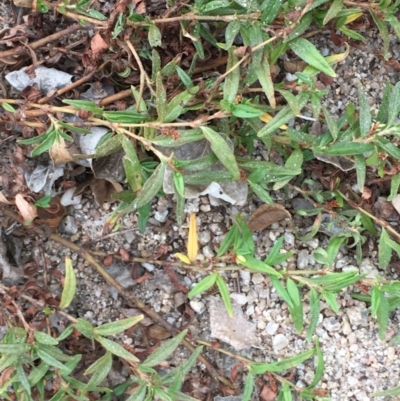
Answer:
(27, 210)
(59, 152)
(267, 215)
(51, 216)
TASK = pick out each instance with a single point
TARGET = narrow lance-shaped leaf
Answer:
(162, 353)
(263, 72)
(69, 289)
(361, 170)
(222, 150)
(309, 53)
(203, 285)
(154, 35)
(116, 349)
(109, 329)
(315, 307)
(365, 113)
(382, 316)
(224, 291)
(99, 369)
(131, 165)
(394, 105)
(150, 188)
(333, 11)
(161, 101)
(231, 83)
(332, 125)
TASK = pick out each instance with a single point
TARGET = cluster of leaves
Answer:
(229, 119)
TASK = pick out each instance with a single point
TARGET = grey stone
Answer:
(271, 328)
(280, 342)
(331, 324)
(302, 259)
(68, 225)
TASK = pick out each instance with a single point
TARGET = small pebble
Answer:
(197, 306)
(280, 342)
(271, 328)
(161, 216)
(302, 259)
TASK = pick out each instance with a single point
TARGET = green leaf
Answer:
(281, 290)
(315, 308)
(351, 34)
(179, 183)
(139, 393)
(394, 187)
(37, 373)
(84, 105)
(125, 117)
(45, 145)
(384, 250)
(116, 349)
(203, 285)
(260, 192)
(177, 105)
(109, 329)
(224, 291)
(131, 165)
(154, 36)
(346, 149)
(300, 27)
(43, 202)
(330, 299)
(85, 328)
(22, 378)
(248, 387)
(100, 370)
(49, 359)
(332, 124)
(319, 371)
(270, 9)
(389, 393)
(231, 83)
(375, 299)
(382, 316)
(35, 139)
(263, 72)
(388, 147)
(333, 11)
(309, 53)
(231, 32)
(69, 289)
(162, 353)
(161, 100)
(384, 33)
(222, 151)
(44, 338)
(252, 263)
(361, 170)
(150, 188)
(293, 292)
(245, 111)
(365, 113)
(382, 116)
(228, 240)
(182, 138)
(7, 107)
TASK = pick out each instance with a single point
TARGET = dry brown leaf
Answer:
(103, 190)
(268, 394)
(158, 333)
(52, 216)
(294, 66)
(23, 3)
(27, 210)
(3, 199)
(59, 152)
(98, 45)
(267, 215)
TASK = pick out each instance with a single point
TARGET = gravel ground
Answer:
(356, 362)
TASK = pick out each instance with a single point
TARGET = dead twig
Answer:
(41, 42)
